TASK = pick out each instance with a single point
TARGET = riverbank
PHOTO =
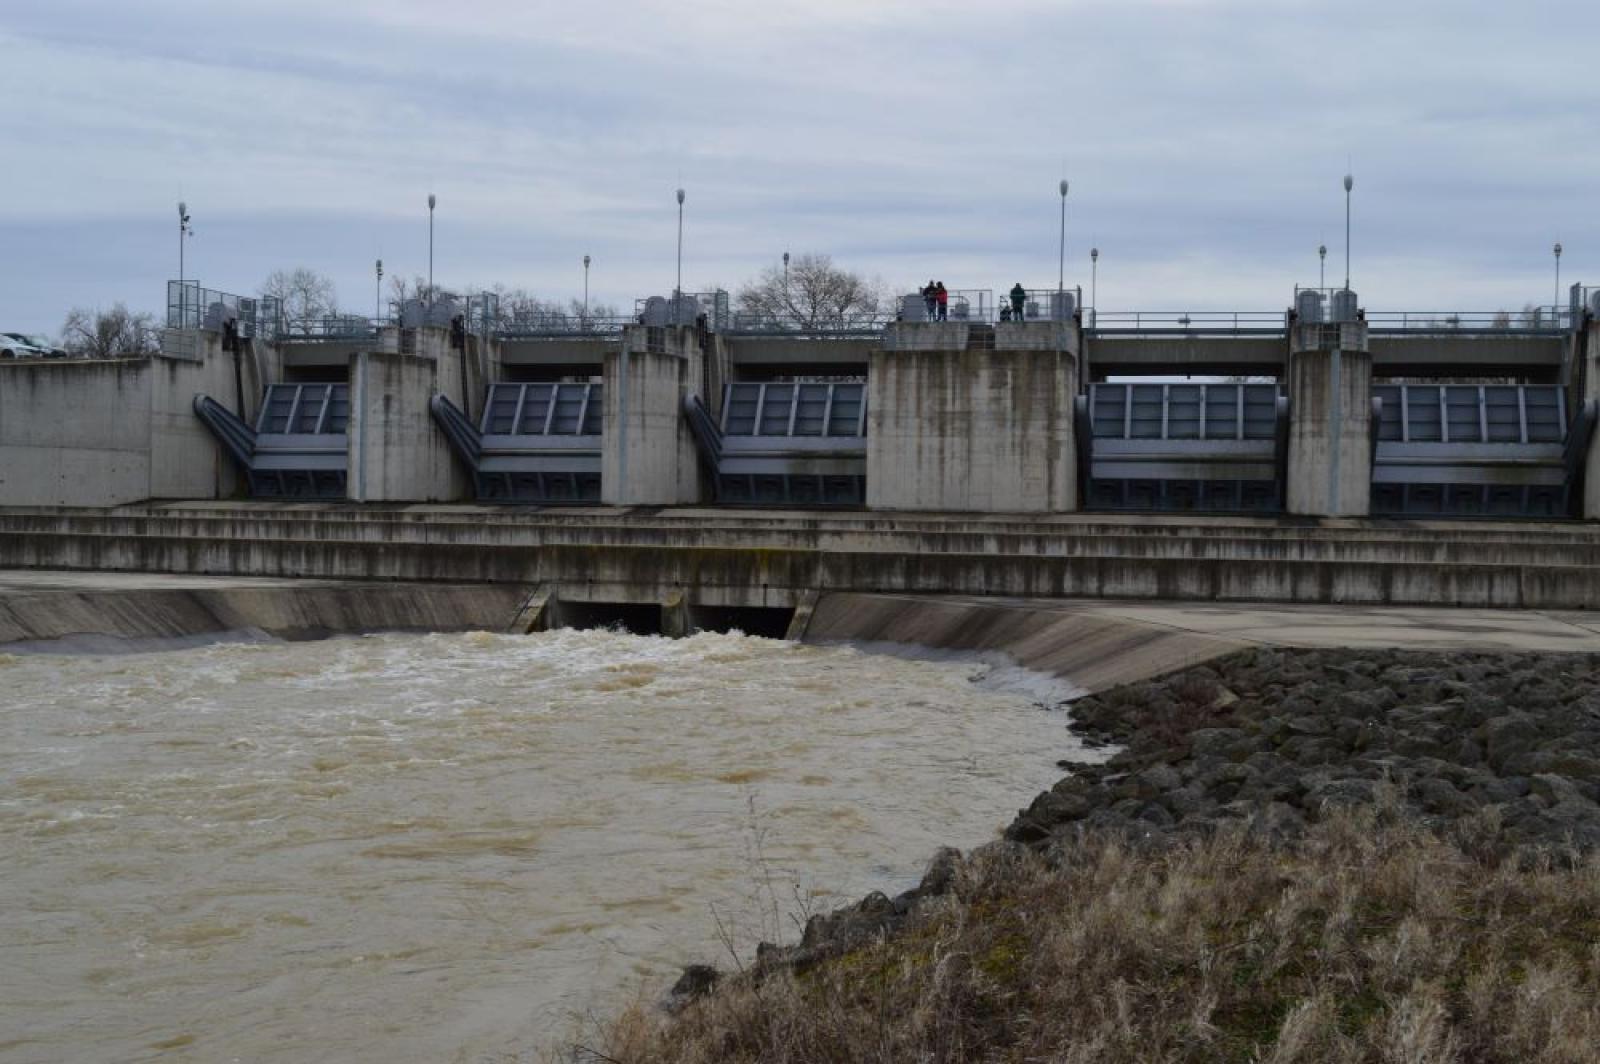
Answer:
(1297, 855)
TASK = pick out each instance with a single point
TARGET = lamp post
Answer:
(432, 201)
(586, 291)
(377, 295)
(1349, 183)
(1322, 266)
(678, 290)
(184, 231)
(1094, 283)
(1557, 303)
(1061, 263)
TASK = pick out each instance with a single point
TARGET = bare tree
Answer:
(114, 333)
(401, 289)
(304, 294)
(811, 293)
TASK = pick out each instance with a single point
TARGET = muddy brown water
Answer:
(403, 847)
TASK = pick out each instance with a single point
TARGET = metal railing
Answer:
(1040, 304)
(331, 330)
(1190, 322)
(1583, 299)
(555, 324)
(190, 306)
(843, 326)
(1532, 320)
(965, 305)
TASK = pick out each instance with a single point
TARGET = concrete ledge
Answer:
(290, 609)
(1101, 644)
(1092, 652)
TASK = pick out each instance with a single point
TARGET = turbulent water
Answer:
(420, 848)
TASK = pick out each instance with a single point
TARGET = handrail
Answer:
(707, 434)
(464, 438)
(236, 437)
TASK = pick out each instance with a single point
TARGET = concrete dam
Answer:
(689, 466)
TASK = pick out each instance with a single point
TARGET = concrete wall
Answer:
(397, 453)
(99, 618)
(1330, 449)
(1586, 357)
(732, 558)
(99, 433)
(186, 462)
(648, 454)
(75, 433)
(956, 429)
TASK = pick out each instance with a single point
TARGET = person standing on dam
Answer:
(1019, 297)
(930, 299)
(942, 297)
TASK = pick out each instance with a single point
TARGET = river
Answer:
(442, 847)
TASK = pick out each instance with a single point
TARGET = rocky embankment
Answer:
(1292, 856)
(1498, 752)
(1504, 747)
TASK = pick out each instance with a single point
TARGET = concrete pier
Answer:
(1330, 421)
(649, 456)
(973, 418)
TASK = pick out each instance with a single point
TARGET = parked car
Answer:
(21, 345)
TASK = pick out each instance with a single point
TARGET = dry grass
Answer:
(1371, 940)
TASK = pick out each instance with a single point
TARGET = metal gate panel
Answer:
(1184, 446)
(791, 444)
(1471, 450)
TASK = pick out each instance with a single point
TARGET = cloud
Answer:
(1204, 140)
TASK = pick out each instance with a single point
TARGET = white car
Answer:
(21, 345)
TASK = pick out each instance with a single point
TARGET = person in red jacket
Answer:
(944, 302)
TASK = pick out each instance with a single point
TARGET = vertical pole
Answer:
(1557, 303)
(431, 202)
(585, 322)
(1094, 286)
(678, 290)
(1061, 259)
(1349, 183)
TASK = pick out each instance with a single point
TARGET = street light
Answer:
(678, 291)
(1322, 266)
(1349, 183)
(586, 291)
(184, 231)
(1557, 303)
(1061, 264)
(377, 298)
(1094, 283)
(432, 200)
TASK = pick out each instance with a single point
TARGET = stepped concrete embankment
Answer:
(95, 610)
(778, 559)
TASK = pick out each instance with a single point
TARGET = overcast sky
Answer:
(1204, 141)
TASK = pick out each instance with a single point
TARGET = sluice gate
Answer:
(298, 448)
(785, 444)
(1183, 447)
(1470, 449)
(536, 443)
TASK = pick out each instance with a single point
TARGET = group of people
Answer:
(937, 299)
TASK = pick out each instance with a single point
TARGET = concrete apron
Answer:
(1095, 645)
